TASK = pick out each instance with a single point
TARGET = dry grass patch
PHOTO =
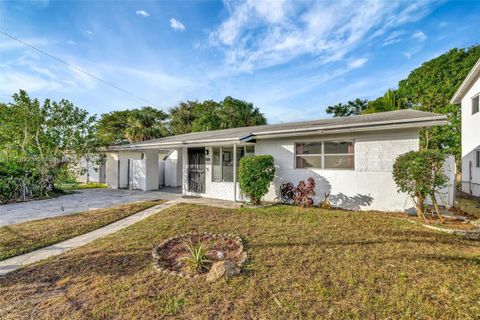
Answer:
(304, 263)
(468, 205)
(28, 236)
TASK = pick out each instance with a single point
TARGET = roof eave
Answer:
(466, 84)
(416, 125)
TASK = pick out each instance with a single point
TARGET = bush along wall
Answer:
(255, 175)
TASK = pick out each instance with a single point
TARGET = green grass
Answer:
(303, 264)
(28, 236)
(81, 186)
(469, 205)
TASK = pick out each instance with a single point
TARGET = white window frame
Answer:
(233, 155)
(477, 109)
(322, 155)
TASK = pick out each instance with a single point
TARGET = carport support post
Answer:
(235, 172)
(151, 170)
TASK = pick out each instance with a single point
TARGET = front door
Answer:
(196, 170)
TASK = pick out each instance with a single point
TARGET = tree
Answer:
(194, 116)
(132, 125)
(430, 88)
(351, 108)
(111, 127)
(255, 175)
(38, 141)
(420, 174)
(145, 124)
(390, 101)
(182, 117)
(236, 113)
(206, 116)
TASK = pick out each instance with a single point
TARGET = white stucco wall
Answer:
(369, 187)
(90, 171)
(470, 140)
(173, 169)
(111, 167)
(474, 186)
(216, 190)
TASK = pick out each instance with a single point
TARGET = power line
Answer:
(76, 68)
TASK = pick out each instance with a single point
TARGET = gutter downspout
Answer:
(235, 172)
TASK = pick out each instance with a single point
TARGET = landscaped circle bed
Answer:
(172, 255)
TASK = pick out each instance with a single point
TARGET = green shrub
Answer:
(255, 175)
(420, 174)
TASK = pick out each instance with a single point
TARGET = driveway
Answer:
(81, 200)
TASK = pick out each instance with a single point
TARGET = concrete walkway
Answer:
(17, 262)
(81, 200)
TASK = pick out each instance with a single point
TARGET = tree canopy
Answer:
(427, 88)
(194, 116)
(38, 141)
(351, 108)
(430, 88)
(132, 125)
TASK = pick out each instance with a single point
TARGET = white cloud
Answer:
(176, 25)
(12, 81)
(419, 35)
(89, 32)
(142, 13)
(261, 34)
(357, 63)
(71, 42)
(407, 55)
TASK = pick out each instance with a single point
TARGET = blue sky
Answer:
(291, 59)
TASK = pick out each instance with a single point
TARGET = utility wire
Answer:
(77, 68)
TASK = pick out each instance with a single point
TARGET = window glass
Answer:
(249, 150)
(309, 162)
(325, 155)
(227, 164)
(222, 161)
(475, 104)
(216, 169)
(339, 162)
(338, 147)
(309, 148)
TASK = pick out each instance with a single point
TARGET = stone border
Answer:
(473, 234)
(156, 257)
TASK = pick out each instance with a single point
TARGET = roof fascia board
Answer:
(353, 130)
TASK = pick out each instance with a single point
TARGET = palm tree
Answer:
(390, 101)
(146, 124)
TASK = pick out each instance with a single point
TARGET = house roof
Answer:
(369, 122)
(466, 84)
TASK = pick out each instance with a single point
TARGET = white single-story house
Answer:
(468, 95)
(350, 157)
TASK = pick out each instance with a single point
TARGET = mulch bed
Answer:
(171, 253)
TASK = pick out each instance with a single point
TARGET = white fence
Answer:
(446, 196)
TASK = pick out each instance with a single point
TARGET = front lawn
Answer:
(83, 186)
(303, 263)
(24, 237)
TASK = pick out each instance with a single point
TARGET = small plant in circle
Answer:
(197, 261)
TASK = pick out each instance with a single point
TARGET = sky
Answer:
(292, 59)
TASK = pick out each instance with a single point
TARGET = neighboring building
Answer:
(468, 95)
(350, 157)
(90, 170)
